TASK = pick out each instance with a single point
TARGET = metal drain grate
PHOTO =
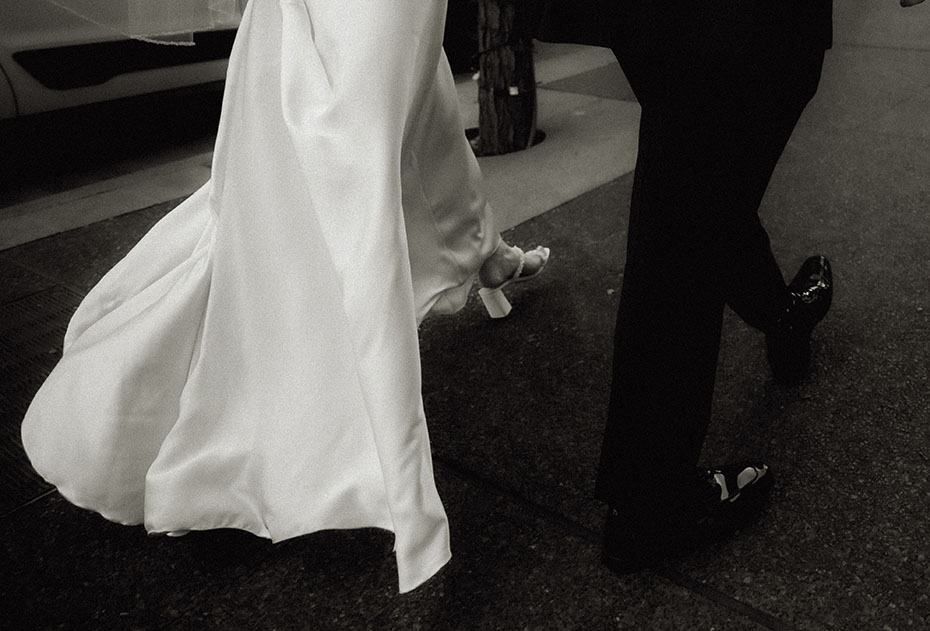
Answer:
(31, 333)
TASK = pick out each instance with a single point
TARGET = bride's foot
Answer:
(503, 265)
(508, 264)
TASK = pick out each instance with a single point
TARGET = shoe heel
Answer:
(495, 302)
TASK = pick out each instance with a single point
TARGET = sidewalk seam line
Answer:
(582, 532)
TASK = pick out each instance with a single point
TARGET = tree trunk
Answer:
(507, 83)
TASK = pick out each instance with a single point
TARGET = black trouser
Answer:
(721, 86)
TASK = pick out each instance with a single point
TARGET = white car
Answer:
(51, 59)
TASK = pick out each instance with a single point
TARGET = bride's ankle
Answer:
(500, 266)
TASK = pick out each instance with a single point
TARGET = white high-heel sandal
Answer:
(494, 299)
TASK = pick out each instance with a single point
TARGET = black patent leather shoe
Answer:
(789, 344)
(716, 504)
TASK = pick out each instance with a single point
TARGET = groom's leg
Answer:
(745, 267)
(668, 326)
(708, 144)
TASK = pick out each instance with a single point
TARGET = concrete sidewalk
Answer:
(516, 406)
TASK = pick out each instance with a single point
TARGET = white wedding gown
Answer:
(253, 362)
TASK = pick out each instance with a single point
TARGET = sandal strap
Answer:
(519, 269)
(732, 480)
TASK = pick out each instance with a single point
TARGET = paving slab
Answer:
(512, 569)
(860, 85)
(607, 82)
(78, 258)
(17, 282)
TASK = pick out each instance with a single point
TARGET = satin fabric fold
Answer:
(253, 362)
